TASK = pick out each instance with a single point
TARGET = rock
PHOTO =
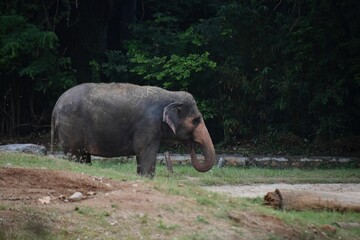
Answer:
(221, 162)
(62, 197)
(24, 148)
(114, 222)
(45, 200)
(91, 193)
(77, 196)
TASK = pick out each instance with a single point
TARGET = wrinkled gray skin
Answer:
(119, 119)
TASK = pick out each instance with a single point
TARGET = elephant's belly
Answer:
(110, 147)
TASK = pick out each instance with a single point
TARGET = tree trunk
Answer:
(168, 162)
(305, 200)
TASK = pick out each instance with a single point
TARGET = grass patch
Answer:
(91, 212)
(186, 175)
(112, 168)
(306, 219)
(201, 219)
(25, 223)
(254, 175)
(167, 227)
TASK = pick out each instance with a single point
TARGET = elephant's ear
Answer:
(171, 115)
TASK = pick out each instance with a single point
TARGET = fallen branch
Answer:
(304, 200)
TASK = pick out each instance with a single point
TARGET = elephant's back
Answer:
(70, 106)
(90, 96)
(126, 93)
(73, 96)
(104, 97)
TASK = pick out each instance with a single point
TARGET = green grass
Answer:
(111, 168)
(263, 175)
(252, 175)
(116, 169)
(91, 212)
(186, 182)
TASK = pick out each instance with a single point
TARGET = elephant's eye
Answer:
(196, 121)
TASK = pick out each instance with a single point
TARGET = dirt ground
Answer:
(133, 206)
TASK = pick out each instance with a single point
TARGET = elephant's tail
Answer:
(52, 132)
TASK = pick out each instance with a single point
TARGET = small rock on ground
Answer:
(77, 196)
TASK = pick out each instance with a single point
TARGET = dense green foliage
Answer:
(33, 72)
(257, 68)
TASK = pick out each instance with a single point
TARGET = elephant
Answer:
(123, 119)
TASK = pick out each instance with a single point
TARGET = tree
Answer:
(269, 67)
(256, 68)
(32, 72)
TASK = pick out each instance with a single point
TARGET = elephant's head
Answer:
(187, 124)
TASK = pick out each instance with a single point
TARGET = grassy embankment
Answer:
(185, 182)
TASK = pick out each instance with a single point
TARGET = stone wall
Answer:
(272, 161)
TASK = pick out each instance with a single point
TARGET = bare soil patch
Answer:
(119, 209)
(27, 186)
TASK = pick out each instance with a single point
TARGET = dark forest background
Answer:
(284, 71)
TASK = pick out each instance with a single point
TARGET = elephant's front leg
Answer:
(146, 158)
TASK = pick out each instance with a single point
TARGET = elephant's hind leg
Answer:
(81, 157)
(85, 158)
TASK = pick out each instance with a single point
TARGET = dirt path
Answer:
(260, 190)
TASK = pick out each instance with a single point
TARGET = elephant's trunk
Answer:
(202, 137)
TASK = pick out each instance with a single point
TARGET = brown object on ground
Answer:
(168, 162)
(347, 225)
(303, 200)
